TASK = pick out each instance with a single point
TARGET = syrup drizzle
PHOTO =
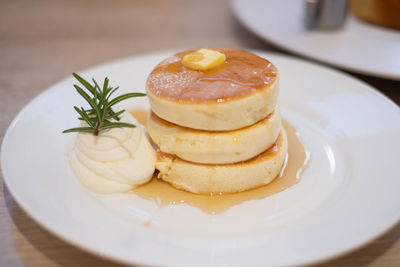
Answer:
(164, 194)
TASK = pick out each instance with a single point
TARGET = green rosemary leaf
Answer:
(117, 125)
(93, 120)
(105, 98)
(84, 83)
(112, 91)
(98, 117)
(95, 92)
(97, 87)
(105, 85)
(90, 112)
(82, 117)
(123, 97)
(79, 129)
(104, 92)
(86, 118)
(115, 115)
(88, 99)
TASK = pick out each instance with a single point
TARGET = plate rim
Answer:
(26, 207)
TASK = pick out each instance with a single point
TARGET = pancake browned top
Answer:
(242, 74)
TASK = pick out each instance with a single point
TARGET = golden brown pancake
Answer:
(214, 147)
(224, 178)
(234, 95)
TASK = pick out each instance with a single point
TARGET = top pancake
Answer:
(241, 75)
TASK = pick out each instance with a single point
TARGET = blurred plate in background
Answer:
(358, 46)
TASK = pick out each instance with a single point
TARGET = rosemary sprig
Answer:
(98, 117)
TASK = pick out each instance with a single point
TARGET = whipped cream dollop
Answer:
(116, 160)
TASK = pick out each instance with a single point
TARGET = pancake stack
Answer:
(218, 129)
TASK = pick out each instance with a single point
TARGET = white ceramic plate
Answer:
(349, 194)
(358, 47)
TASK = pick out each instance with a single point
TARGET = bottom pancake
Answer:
(224, 178)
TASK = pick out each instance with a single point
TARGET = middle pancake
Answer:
(215, 147)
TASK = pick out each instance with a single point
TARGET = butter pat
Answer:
(203, 59)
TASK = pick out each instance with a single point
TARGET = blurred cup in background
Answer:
(325, 14)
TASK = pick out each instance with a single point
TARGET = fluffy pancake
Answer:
(234, 95)
(224, 178)
(218, 147)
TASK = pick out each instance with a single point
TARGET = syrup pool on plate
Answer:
(165, 194)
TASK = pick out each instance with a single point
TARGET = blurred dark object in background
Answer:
(325, 14)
